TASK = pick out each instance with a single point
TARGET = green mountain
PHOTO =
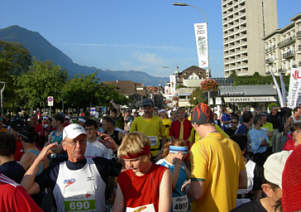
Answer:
(40, 48)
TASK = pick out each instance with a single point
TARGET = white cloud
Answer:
(146, 62)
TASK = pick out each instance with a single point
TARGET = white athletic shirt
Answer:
(97, 149)
(250, 167)
(79, 190)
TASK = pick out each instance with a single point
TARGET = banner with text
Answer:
(294, 92)
(201, 38)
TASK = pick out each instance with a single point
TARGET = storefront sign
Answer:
(244, 99)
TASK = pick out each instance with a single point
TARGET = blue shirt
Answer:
(182, 177)
(256, 138)
(241, 130)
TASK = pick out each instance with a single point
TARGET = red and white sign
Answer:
(201, 37)
(294, 92)
(50, 101)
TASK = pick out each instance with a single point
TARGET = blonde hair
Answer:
(176, 142)
(133, 143)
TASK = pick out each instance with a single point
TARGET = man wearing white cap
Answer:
(272, 187)
(77, 182)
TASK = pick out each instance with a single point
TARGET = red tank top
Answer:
(141, 190)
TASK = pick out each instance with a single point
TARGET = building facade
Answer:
(245, 23)
(283, 48)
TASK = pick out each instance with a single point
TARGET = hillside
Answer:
(43, 50)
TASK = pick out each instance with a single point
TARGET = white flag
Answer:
(294, 88)
(278, 89)
(283, 90)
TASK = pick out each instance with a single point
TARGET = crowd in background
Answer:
(153, 160)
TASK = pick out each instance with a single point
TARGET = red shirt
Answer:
(13, 197)
(19, 150)
(141, 190)
(289, 145)
(174, 130)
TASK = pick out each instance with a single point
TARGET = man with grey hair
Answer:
(77, 182)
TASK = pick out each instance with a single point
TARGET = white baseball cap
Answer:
(82, 120)
(274, 165)
(73, 130)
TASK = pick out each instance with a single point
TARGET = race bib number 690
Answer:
(79, 205)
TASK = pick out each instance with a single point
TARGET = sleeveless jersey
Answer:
(36, 153)
(79, 190)
(141, 193)
(56, 138)
(180, 201)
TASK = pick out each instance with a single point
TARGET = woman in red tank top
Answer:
(143, 186)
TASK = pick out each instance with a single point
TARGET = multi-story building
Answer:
(245, 23)
(283, 48)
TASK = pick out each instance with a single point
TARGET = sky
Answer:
(152, 36)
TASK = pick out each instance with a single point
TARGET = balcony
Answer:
(270, 49)
(286, 42)
(288, 54)
(298, 34)
(269, 60)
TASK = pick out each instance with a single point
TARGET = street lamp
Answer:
(2, 90)
(201, 38)
(180, 4)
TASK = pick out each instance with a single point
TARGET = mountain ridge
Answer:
(42, 49)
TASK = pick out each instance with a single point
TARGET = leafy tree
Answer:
(257, 79)
(16, 55)
(196, 96)
(42, 80)
(108, 93)
(86, 91)
(81, 91)
(14, 61)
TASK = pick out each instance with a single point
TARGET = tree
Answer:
(196, 96)
(89, 92)
(42, 80)
(257, 79)
(81, 91)
(17, 56)
(14, 61)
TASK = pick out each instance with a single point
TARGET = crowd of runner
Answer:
(152, 160)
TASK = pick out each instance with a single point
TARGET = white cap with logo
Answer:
(274, 165)
(73, 130)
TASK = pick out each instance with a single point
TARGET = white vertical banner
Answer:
(294, 92)
(278, 90)
(283, 89)
(201, 38)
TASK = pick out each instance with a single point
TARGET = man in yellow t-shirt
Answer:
(218, 167)
(166, 122)
(151, 126)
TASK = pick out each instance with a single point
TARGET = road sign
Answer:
(50, 101)
(92, 110)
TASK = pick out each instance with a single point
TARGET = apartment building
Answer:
(245, 23)
(283, 48)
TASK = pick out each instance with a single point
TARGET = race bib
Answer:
(144, 208)
(180, 204)
(80, 205)
(153, 140)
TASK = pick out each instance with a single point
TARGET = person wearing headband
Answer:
(143, 185)
(173, 155)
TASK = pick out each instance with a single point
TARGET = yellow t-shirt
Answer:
(166, 123)
(218, 129)
(3, 130)
(152, 128)
(217, 160)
